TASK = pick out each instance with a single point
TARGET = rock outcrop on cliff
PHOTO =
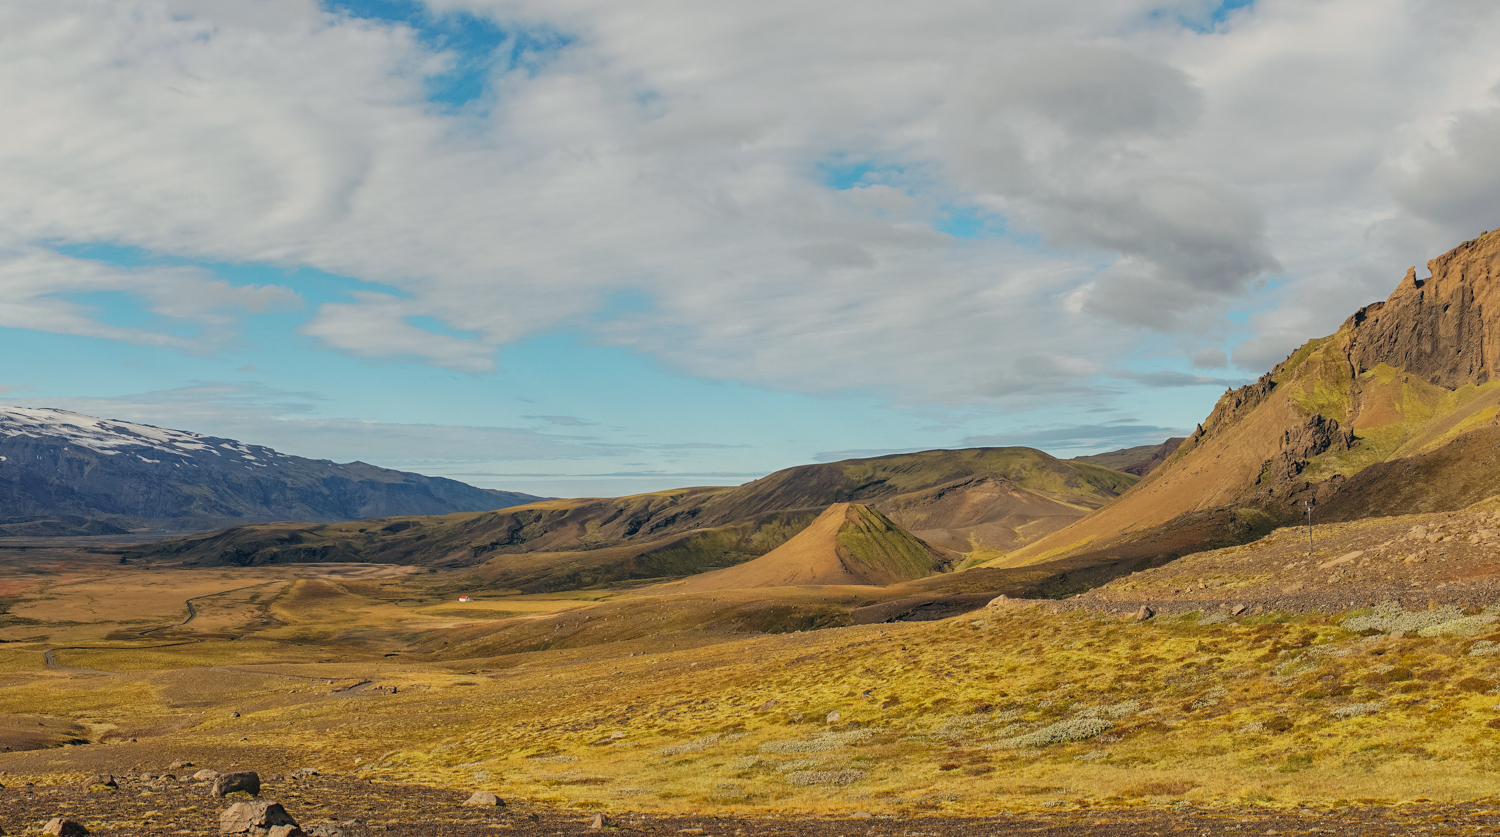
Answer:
(1436, 328)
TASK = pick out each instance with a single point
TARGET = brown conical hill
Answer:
(1385, 416)
(849, 543)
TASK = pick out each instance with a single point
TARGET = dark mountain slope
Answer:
(1140, 460)
(66, 473)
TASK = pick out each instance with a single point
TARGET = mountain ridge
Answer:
(956, 501)
(67, 473)
(1140, 460)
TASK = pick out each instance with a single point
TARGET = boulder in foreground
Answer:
(59, 827)
(255, 817)
(228, 783)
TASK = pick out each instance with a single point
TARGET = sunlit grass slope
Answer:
(1021, 708)
(641, 699)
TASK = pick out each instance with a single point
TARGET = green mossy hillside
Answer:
(873, 540)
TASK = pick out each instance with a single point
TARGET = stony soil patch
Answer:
(357, 808)
(1417, 561)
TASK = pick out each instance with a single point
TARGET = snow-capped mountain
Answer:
(63, 473)
(112, 437)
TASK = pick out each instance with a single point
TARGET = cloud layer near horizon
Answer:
(759, 192)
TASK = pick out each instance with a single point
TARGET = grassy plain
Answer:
(647, 699)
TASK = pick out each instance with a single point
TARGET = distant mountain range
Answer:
(63, 473)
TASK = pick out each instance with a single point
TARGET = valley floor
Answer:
(1239, 707)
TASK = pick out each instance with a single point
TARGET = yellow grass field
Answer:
(1015, 707)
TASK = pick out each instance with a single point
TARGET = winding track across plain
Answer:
(50, 655)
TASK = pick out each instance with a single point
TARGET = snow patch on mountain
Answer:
(106, 436)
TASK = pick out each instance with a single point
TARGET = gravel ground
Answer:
(362, 809)
(1415, 560)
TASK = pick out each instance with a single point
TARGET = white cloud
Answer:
(1076, 140)
(36, 285)
(378, 325)
(1211, 357)
(1151, 176)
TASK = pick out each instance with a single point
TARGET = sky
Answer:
(590, 248)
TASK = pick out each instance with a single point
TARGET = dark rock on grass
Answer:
(59, 827)
(484, 799)
(255, 817)
(228, 783)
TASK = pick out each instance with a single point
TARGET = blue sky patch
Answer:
(436, 326)
(1227, 7)
(969, 222)
(1208, 21)
(479, 46)
(843, 176)
(842, 173)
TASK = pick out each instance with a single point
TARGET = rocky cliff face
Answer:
(1437, 328)
(1299, 445)
(1237, 403)
(66, 473)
